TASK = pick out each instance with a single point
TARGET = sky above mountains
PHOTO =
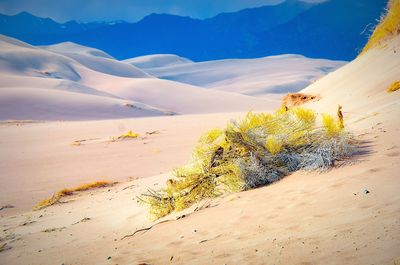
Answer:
(128, 10)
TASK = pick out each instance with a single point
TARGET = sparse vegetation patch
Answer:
(258, 150)
(388, 26)
(68, 192)
(393, 87)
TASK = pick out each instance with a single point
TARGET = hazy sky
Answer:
(128, 10)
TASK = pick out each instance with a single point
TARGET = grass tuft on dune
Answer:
(389, 26)
(393, 87)
(68, 192)
(258, 150)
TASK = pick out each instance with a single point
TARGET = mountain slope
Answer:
(292, 27)
(335, 29)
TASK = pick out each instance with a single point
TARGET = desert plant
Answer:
(393, 87)
(331, 127)
(128, 135)
(70, 191)
(258, 150)
(388, 26)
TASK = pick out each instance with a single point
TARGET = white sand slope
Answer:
(157, 60)
(306, 218)
(119, 84)
(360, 87)
(96, 60)
(179, 97)
(37, 84)
(19, 103)
(72, 47)
(256, 77)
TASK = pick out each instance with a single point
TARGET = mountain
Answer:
(340, 32)
(36, 30)
(337, 27)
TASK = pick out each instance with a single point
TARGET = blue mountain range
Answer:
(335, 29)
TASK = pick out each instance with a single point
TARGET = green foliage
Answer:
(258, 150)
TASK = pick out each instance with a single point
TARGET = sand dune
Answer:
(157, 60)
(76, 49)
(257, 77)
(307, 218)
(97, 60)
(361, 86)
(178, 97)
(17, 103)
(83, 70)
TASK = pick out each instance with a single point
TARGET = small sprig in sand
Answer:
(68, 192)
(393, 87)
(128, 135)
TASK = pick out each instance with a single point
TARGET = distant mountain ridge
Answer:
(333, 29)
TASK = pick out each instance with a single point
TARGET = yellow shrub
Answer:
(67, 192)
(306, 116)
(389, 26)
(245, 155)
(273, 145)
(393, 87)
(332, 128)
(252, 121)
(129, 134)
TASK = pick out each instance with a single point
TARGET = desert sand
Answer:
(68, 81)
(348, 215)
(254, 77)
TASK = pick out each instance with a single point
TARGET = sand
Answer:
(72, 82)
(40, 158)
(348, 215)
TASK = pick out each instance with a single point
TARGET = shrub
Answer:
(331, 127)
(393, 87)
(256, 151)
(128, 135)
(67, 192)
(388, 26)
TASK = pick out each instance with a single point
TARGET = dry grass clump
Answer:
(68, 192)
(128, 135)
(258, 150)
(393, 87)
(388, 26)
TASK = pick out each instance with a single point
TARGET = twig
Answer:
(205, 240)
(82, 220)
(7, 206)
(144, 229)
(152, 132)
(4, 247)
(128, 187)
